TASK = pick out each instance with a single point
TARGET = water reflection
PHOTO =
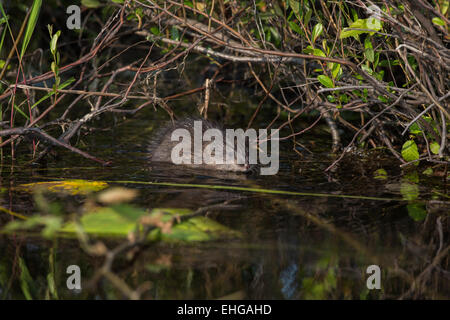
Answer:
(293, 247)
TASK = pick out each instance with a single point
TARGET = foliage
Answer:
(117, 219)
(347, 58)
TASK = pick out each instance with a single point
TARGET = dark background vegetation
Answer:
(375, 73)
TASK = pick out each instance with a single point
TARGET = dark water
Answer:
(293, 246)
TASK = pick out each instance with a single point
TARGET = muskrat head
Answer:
(233, 155)
(215, 151)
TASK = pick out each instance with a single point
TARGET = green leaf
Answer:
(194, 229)
(377, 60)
(319, 53)
(4, 20)
(295, 6)
(417, 212)
(387, 63)
(444, 6)
(26, 281)
(21, 112)
(415, 129)
(189, 3)
(155, 30)
(74, 187)
(2, 41)
(54, 68)
(326, 81)
(409, 191)
(369, 25)
(368, 52)
(54, 41)
(174, 34)
(428, 171)
(380, 174)
(275, 34)
(438, 21)
(49, 94)
(50, 29)
(275, 6)
(307, 17)
(411, 177)
(367, 69)
(343, 98)
(354, 14)
(379, 75)
(31, 25)
(325, 47)
(348, 32)
(410, 151)
(198, 229)
(383, 99)
(91, 3)
(317, 31)
(335, 69)
(373, 24)
(434, 147)
(412, 62)
(120, 220)
(316, 52)
(51, 225)
(295, 27)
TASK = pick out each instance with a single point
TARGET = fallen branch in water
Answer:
(20, 131)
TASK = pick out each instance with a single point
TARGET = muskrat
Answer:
(163, 149)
